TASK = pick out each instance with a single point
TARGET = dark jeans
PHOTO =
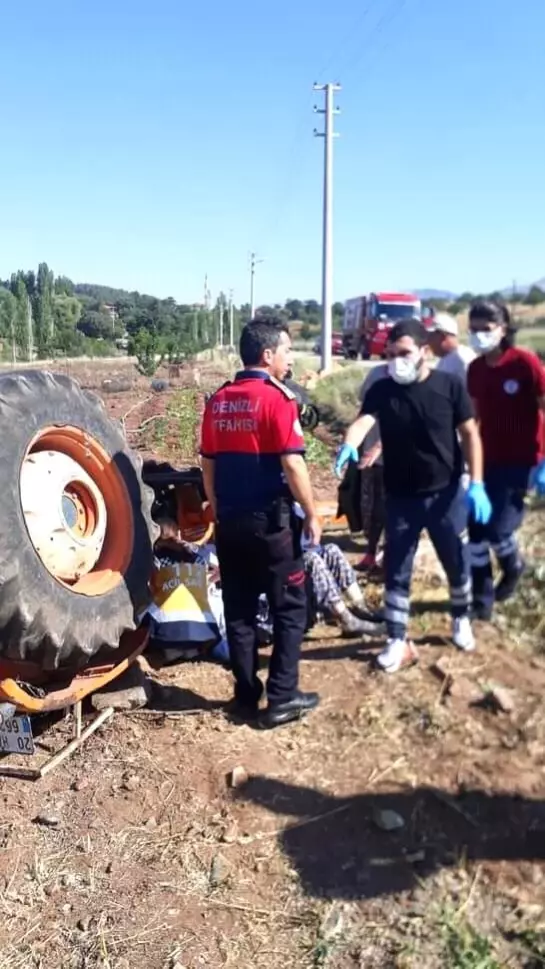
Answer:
(444, 516)
(255, 557)
(506, 488)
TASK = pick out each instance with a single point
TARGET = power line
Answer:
(387, 18)
(289, 181)
(347, 37)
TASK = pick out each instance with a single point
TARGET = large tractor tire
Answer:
(75, 524)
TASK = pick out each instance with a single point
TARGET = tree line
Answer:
(47, 316)
(534, 296)
(44, 316)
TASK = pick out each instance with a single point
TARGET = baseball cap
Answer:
(443, 323)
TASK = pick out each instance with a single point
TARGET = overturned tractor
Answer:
(75, 543)
(77, 528)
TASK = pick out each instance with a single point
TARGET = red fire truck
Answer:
(368, 319)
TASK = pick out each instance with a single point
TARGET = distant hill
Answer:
(523, 290)
(431, 294)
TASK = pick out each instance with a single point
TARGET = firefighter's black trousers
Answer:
(257, 556)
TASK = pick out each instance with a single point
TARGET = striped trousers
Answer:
(506, 487)
(443, 515)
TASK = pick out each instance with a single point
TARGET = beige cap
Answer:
(443, 323)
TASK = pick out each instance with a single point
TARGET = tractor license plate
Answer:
(16, 736)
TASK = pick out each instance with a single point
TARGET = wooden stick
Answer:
(77, 742)
(139, 403)
(77, 720)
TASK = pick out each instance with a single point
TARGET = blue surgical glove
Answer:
(537, 479)
(479, 503)
(345, 454)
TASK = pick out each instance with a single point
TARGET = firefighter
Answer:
(507, 385)
(253, 467)
(420, 414)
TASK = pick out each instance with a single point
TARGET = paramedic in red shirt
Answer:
(507, 385)
(253, 461)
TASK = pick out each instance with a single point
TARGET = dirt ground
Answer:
(400, 826)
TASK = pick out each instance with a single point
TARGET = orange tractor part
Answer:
(31, 691)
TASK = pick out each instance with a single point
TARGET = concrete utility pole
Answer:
(231, 320)
(220, 310)
(206, 309)
(29, 329)
(254, 261)
(329, 111)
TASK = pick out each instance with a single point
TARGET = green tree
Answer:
(23, 323)
(145, 346)
(535, 296)
(41, 296)
(8, 311)
(68, 340)
(96, 324)
(295, 308)
(66, 311)
(456, 307)
(64, 286)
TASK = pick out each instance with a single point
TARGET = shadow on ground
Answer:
(339, 850)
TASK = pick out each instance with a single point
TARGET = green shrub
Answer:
(337, 396)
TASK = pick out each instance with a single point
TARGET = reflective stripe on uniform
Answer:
(480, 554)
(506, 547)
(461, 595)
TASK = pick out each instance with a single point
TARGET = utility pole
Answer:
(328, 134)
(254, 261)
(206, 310)
(231, 320)
(29, 329)
(220, 310)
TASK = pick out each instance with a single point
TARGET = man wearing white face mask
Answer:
(422, 415)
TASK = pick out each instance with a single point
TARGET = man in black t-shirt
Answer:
(423, 415)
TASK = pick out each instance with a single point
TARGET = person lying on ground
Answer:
(332, 590)
(335, 591)
(422, 415)
(330, 581)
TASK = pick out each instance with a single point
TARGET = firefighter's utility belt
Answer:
(282, 514)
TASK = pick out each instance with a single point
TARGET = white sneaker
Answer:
(398, 653)
(462, 634)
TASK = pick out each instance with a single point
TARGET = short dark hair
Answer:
(411, 327)
(260, 334)
(492, 311)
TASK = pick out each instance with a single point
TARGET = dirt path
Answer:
(151, 861)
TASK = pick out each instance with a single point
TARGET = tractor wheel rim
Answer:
(77, 510)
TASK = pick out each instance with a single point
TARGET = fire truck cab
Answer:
(368, 320)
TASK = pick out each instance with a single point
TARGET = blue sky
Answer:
(144, 144)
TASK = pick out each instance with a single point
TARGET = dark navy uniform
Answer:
(422, 470)
(248, 425)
